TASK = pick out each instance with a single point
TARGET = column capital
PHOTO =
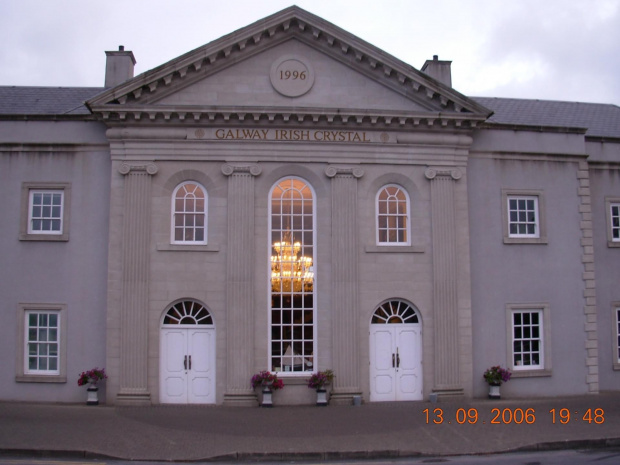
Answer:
(228, 169)
(128, 167)
(333, 171)
(431, 173)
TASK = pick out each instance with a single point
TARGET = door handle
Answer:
(397, 358)
(393, 360)
(190, 362)
(185, 362)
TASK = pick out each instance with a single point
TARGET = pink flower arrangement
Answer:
(92, 376)
(266, 378)
(496, 375)
(320, 379)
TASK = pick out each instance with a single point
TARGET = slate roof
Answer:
(600, 120)
(17, 100)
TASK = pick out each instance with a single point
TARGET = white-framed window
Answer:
(42, 340)
(292, 346)
(189, 214)
(45, 211)
(612, 206)
(393, 225)
(523, 217)
(529, 339)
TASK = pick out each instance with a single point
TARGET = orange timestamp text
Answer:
(505, 416)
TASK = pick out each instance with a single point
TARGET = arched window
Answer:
(189, 214)
(188, 312)
(392, 216)
(292, 315)
(395, 312)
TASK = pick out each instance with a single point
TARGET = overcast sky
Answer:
(541, 49)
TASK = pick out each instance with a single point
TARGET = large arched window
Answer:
(189, 214)
(292, 315)
(393, 216)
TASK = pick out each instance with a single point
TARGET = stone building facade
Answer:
(291, 198)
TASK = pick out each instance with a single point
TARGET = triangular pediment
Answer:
(291, 65)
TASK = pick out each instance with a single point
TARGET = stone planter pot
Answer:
(494, 391)
(267, 397)
(92, 395)
(321, 397)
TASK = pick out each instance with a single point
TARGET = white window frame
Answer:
(388, 229)
(29, 190)
(307, 369)
(24, 372)
(543, 368)
(615, 307)
(612, 208)
(540, 235)
(195, 212)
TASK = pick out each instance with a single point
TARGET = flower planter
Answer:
(92, 395)
(267, 397)
(494, 391)
(321, 397)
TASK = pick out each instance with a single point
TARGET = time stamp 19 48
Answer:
(519, 416)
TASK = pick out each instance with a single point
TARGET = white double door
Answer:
(187, 366)
(395, 362)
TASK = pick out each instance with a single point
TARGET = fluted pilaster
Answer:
(445, 281)
(344, 289)
(240, 284)
(135, 290)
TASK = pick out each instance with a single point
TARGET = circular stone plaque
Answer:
(292, 76)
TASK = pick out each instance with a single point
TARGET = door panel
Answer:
(409, 379)
(173, 375)
(202, 373)
(382, 374)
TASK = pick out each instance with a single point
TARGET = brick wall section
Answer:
(587, 258)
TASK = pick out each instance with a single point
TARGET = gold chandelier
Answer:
(289, 271)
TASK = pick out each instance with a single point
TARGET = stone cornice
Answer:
(285, 115)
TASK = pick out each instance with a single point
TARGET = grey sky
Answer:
(552, 49)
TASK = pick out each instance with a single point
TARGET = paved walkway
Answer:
(379, 430)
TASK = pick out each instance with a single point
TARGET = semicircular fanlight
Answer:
(395, 312)
(188, 312)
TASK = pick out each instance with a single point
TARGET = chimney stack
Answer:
(439, 70)
(119, 67)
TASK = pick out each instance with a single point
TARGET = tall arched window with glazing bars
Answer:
(292, 243)
(393, 216)
(189, 214)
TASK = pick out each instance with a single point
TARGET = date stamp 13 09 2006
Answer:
(519, 416)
